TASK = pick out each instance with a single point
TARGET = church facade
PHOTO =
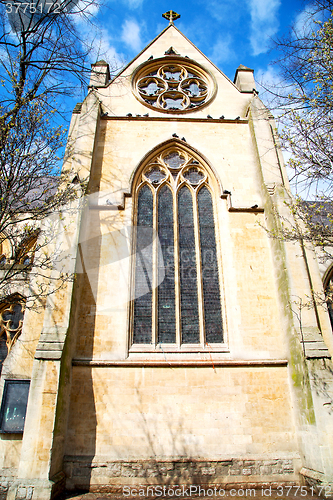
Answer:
(181, 354)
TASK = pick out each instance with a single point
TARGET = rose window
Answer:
(173, 86)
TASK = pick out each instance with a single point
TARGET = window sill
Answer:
(12, 432)
(173, 348)
(162, 363)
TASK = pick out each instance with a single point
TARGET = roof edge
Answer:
(188, 40)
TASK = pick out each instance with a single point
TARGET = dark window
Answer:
(187, 269)
(14, 405)
(209, 268)
(143, 268)
(329, 296)
(166, 290)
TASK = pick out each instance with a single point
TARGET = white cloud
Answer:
(270, 85)
(268, 77)
(264, 23)
(222, 50)
(305, 22)
(131, 35)
(223, 10)
(105, 50)
(98, 42)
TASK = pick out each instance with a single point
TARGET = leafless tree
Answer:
(43, 59)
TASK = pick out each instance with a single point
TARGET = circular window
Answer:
(173, 85)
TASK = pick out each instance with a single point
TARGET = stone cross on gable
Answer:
(171, 15)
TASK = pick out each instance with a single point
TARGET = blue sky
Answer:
(228, 32)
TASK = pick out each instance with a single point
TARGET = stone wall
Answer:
(98, 475)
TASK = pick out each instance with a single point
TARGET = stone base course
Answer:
(103, 476)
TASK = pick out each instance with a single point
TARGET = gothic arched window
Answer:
(11, 321)
(177, 291)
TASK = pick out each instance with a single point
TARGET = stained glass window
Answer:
(143, 268)
(166, 290)
(209, 269)
(188, 268)
(174, 160)
(177, 281)
(194, 176)
(155, 175)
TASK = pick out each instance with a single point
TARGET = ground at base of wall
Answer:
(239, 494)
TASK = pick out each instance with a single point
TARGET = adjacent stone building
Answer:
(182, 353)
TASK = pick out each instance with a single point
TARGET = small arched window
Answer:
(328, 287)
(177, 290)
(11, 321)
(26, 250)
(5, 249)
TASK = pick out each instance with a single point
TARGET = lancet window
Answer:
(177, 289)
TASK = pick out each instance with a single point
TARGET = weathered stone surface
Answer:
(183, 471)
(246, 412)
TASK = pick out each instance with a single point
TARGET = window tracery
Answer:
(177, 290)
(173, 85)
(11, 321)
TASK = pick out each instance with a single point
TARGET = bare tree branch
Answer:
(43, 59)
